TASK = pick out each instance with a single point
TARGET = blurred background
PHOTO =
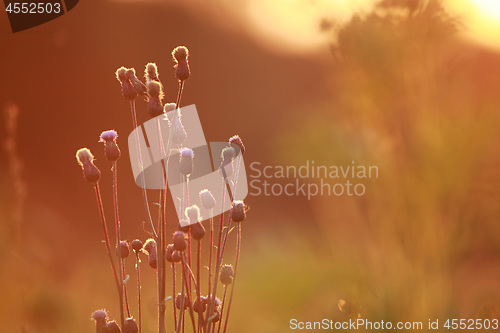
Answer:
(410, 86)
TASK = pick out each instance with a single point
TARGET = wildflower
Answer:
(151, 72)
(193, 214)
(100, 317)
(180, 55)
(138, 85)
(86, 161)
(207, 199)
(111, 150)
(235, 140)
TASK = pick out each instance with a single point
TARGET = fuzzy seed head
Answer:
(180, 53)
(130, 326)
(186, 161)
(238, 211)
(236, 140)
(100, 316)
(155, 89)
(154, 106)
(193, 214)
(137, 245)
(179, 241)
(121, 74)
(151, 72)
(109, 135)
(226, 274)
(207, 199)
(169, 107)
(84, 155)
(197, 231)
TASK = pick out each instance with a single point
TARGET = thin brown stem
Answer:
(118, 239)
(179, 94)
(222, 308)
(138, 269)
(238, 248)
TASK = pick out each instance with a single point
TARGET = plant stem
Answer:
(106, 238)
(222, 308)
(179, 94)
(144, 192)
(138, 269)
(118, 238)
(238, 248)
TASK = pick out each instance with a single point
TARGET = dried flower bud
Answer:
(169, 252)
(130, 326)
(238, 211)
(155, 91)
(207, 199)
(192, 213)
(176, 256)
(86, 161)
(100, 317)
(111, 150)
(179, 134)
(179, 241)
(227, 161)
(169, 107)
(128, 89)
(186, 161)
(226, 274)
(200, 305)
(236, 141)
(138, 85)
(197, 231)
(137, 245)
(151, 72)
(180, 55)
(124, 250)
(216, 316)
(183, 225)
(112, 327)
(150, 248)
(217, 303)
(178, 301)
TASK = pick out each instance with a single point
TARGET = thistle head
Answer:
(226, 274)
(197, 231)
(193, 214)
(186, 161)
(137, 245)
(155, 92)
(111, 150)
(235, 140)
(238, 211)
(179, 240)
(112, 327)
(207, 199)
(129, 91)
(86, 160)
(180, 55)
(150, 248)
(179, 299)
(123, 250)
(130, 326)
(151, 72)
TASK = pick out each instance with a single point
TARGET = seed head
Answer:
(200, 305)
(169, 252)
(186, 161)
(236, 140)
(124, 250)
(180, 55)
(176, 256)
(207, 199)
(183, 225)
(130, 326)
(86, 160)
(179, 241)
(111, 150)
(179, 134)
(151, 72)
(128, 89)
(138, 85)
(178, 300)
(238, 211)
(137, 245)
(193, 214)
(169, 107)
(112, 327)
(155, 91)
(197, 230)
(226, 274)
(150, 248)
(227, 161)
(100, 316)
